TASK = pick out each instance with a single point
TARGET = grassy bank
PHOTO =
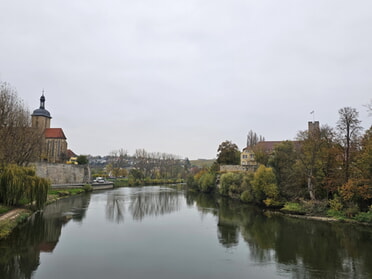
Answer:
(56, 194)
(128, 182)
(4, 209)
(16, 217)
(11, 217)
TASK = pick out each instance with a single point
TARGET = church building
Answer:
(54, 148)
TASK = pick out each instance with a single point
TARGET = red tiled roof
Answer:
(54, 133)
(269, 146)
(71, 153)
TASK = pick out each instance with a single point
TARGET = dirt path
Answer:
(14, 213)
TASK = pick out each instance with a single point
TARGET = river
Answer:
(163, 232)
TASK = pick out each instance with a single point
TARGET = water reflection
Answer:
(296, 248)
(115, 207)
(306, 249)
(142, 202)
(20, 253)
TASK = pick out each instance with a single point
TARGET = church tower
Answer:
(41, 117)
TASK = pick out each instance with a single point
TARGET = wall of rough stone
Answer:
(236, 168)
(63, 173)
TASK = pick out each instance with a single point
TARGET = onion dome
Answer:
(41, 111)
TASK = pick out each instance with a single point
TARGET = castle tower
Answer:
(313, 128)
(41, 117)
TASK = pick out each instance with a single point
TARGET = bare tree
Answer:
(369, 107)
(19, 142)
(349, 128)
(253, 138)
(158, 164)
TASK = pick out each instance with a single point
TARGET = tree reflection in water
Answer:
(142, 202)
(305, 248)
(115, 207)
(20, 252)
(299, 248)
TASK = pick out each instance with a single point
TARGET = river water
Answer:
(162, 232)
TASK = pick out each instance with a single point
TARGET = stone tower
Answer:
(41, 117)
(313, 128)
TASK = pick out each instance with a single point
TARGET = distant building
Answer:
(267, 146)
(247, 157)
(54, 146)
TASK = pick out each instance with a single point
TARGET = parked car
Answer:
(99, 180)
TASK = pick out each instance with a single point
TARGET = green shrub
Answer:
(351, 210)
(364, 217)
(207, 182)
(230, 184)
(234, 191)
(315, 207)
(336, 214)
(247, 182)
(264, 185)
(191, 182)
(122, 182)
(293, 207)
(336, 204)
(247, 196)
(88, 188)
(272, 203)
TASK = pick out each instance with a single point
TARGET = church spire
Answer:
(42, 101)
(41, 111)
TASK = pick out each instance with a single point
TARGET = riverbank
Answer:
(214, 226)
(10, 218)
(129, 182)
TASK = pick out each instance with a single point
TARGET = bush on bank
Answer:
(131, 181)
(204, 181)
(261, 188)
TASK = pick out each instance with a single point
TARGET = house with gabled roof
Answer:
(247, 157)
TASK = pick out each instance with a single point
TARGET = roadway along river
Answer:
(162, 232)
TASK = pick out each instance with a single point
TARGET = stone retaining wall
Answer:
(236, 168)
(63, 173)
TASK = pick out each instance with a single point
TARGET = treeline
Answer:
(145, 166)
(131, 181)
(324, 170)
(19, 145)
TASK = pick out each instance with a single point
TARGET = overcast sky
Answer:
(182, 76)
